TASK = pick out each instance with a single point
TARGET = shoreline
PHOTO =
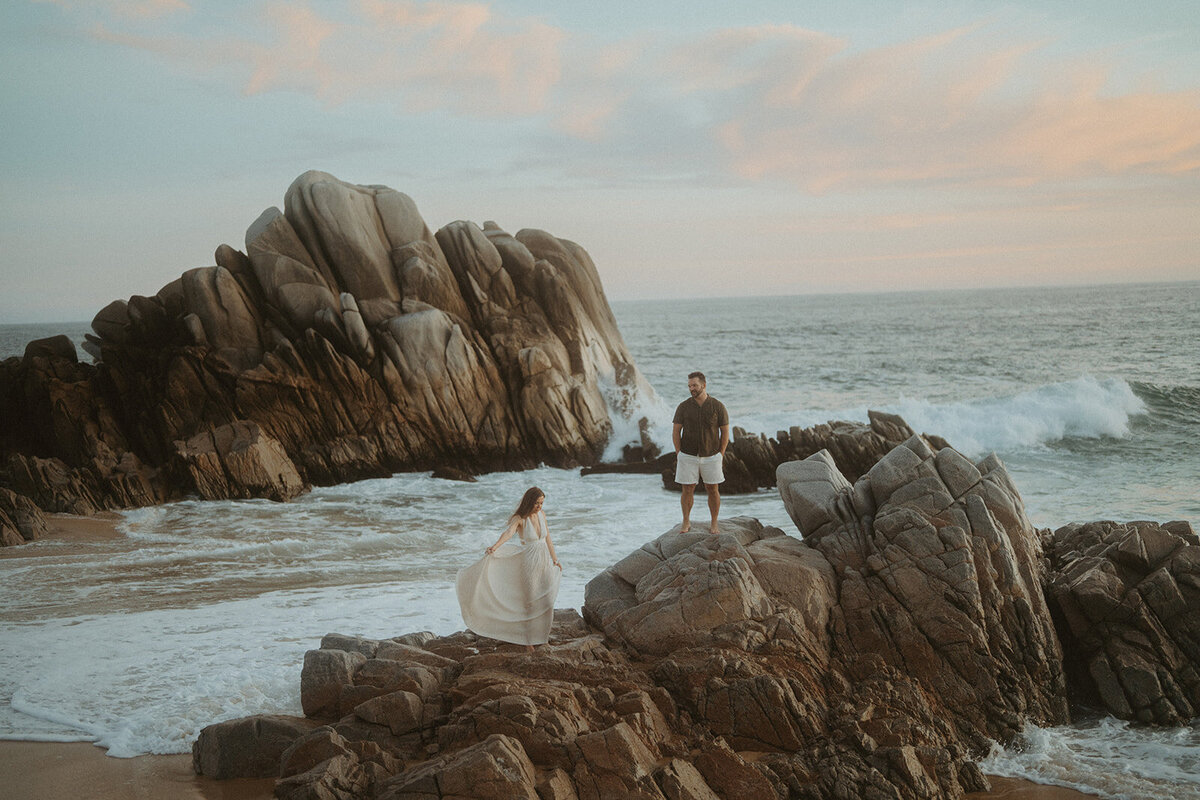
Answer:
(68, 529)
(61, 770)
(34, 770)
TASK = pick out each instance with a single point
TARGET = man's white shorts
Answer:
(690, 469)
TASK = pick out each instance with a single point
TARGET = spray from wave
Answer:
(1085, 407)
(626, 410)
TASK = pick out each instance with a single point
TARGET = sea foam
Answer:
(1109, 758)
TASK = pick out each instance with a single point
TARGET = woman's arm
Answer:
(549, 543)
(504, 537)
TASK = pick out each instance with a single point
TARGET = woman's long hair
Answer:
(527, 502)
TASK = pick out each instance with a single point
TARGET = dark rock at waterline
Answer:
(751, 459)
(250, 747)
(453, 474)
(1126, 598)
(653, 467)
(347, 341)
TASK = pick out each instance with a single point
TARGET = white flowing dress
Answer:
(510, 594)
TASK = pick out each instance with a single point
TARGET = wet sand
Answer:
(67, 529)
(49, 771)
(1018, 789)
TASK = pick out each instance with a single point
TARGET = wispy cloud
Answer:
(955, 107)
(461, 57)
(123, 9)
(976, 105)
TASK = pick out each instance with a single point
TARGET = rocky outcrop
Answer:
(752, 459)
(587, 718)
(1125, 597)
(239, 460)
(347, 341)
(877, 656)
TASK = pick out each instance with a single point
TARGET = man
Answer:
(701, 435)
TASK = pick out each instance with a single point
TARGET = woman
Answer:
(509, 594)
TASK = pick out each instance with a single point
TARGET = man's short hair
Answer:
(699, 375)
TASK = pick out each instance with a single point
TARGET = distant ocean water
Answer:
(1091, 396)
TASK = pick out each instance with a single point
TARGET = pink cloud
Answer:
(422, 56)
(955, 107)
(780, 103)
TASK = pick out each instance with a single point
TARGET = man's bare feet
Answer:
(714, 529)
(685, 528)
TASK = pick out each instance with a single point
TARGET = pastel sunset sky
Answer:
(693, 148)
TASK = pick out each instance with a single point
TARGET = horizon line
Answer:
(765, 295)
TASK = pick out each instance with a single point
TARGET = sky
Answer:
(694, 149)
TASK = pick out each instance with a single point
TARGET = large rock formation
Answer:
(347, 341)
(875, 657)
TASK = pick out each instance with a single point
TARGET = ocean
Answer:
(202, 611)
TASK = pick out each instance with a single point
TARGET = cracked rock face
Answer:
(347, 341)
(1125, 596)
(583, 718)
(939, 575)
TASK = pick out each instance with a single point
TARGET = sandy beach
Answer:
(1018, 789)
(69, 527)
(48, 771)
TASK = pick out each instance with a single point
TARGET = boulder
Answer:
(693, 589)
(400, 711)
(310, 750)
(615, 762)
(251, 747)
(20, 519)
(495, 769)
(52, 348)
(1124, 596)
(239, 460)
(323, 678)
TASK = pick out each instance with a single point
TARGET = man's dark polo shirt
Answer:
(701, 434)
